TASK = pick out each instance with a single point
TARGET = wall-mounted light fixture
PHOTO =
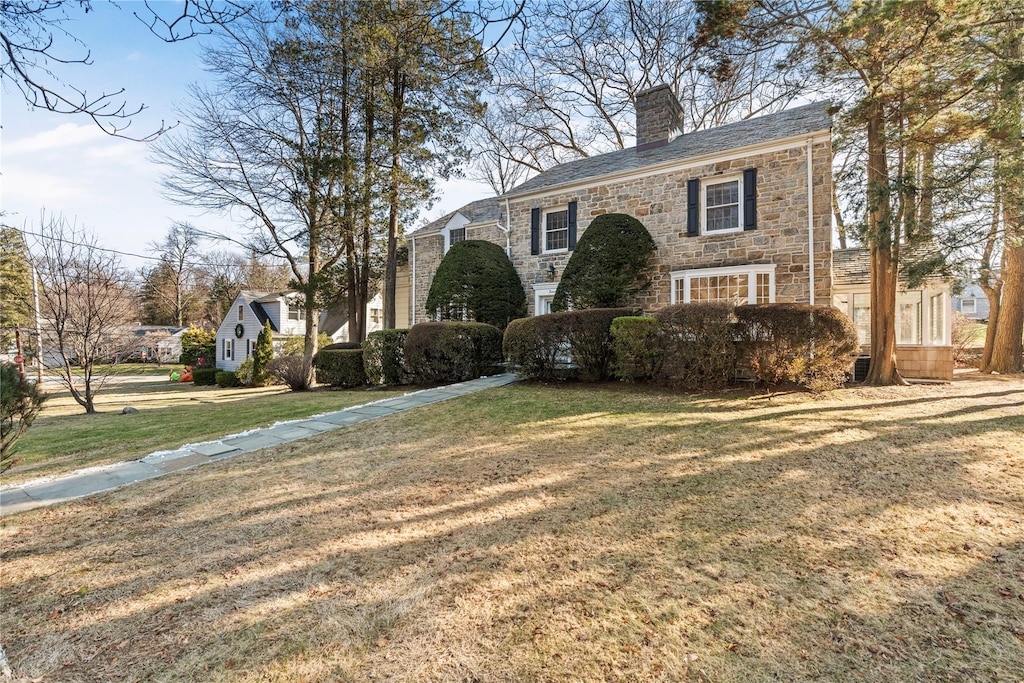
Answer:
(551, 272)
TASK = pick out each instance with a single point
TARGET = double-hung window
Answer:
(723, 210)
(294, 310)
(556, 230)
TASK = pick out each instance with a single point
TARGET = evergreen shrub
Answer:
(635, 352)
(476, 281)
(204, 377)
(244, 373)
(697, 344)
(384, 357)
(340, 367)
(611, 264)
(198, 348)
(442, 352)
(589, 333)
(809, 345)
(226, 379)
(262, 353)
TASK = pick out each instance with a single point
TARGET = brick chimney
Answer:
(659, 117)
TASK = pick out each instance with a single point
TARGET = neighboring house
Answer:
(924, 324)
(973, 303)
(237, 334)
(741, 212)
(168, 349)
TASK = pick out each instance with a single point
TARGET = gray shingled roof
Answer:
(808, 119)
(480, 211)
(853, 266)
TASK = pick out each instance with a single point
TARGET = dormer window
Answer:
(454, 231)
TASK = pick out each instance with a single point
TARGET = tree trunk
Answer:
(1006, 343)
(838, 214)
(884, 255)
(391, 267)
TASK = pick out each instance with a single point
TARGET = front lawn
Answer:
(170, 415)
(565, 533)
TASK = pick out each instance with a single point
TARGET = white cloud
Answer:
(23, 188)
(63, 136)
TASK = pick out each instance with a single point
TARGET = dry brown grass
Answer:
(556, 533)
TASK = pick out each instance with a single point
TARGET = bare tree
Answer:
(86, 307)
(172, 284)
(38, 47)
(566, 87)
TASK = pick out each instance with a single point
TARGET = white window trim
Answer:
(544, 230)
(752, 271)
(541, 290)
(718, 180)
(972, 302)
(454, 223)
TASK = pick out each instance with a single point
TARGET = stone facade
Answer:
(659, 201)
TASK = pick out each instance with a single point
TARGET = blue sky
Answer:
(65, 164)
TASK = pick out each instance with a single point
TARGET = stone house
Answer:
(741, 212)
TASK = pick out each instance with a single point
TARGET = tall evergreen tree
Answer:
(15, 285)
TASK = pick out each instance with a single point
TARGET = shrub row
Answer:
(443, 352)
(384, 357)
(340, 367)
(543, 345)
(700, 346)
(204, 376)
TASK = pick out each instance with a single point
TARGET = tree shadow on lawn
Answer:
(641, 541)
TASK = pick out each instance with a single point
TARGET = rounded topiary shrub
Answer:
(698, 347)
(611, 264)
(384, 357)
(452, 351)
(476, 281)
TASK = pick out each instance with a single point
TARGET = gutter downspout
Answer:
(412, 296)
(507, 229)
(810, 222)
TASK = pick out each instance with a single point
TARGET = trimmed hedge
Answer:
(226, 379)
(635, 351)
(340, 367)
(384, 357)
(476, 280)
(610, 265)
(204, 377)
(698, 346)
(809, 345)
(540, 344)
(537, 345)
(452, 351)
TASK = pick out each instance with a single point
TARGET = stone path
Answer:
(33, 494)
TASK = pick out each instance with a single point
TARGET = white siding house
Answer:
(237, 334)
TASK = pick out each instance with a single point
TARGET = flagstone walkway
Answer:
(93, 480)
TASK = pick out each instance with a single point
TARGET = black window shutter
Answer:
(535, 231)
(572, 225)
(693, 208)
(750, 199)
